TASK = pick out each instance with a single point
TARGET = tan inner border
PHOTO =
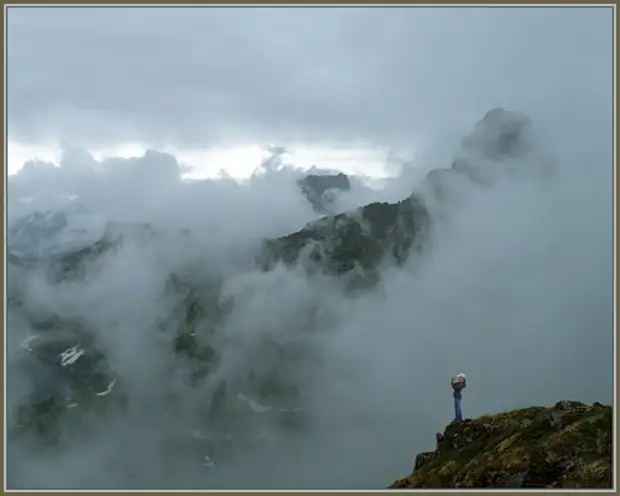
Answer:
(326, 4)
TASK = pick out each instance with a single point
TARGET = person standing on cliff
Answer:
(458, 382)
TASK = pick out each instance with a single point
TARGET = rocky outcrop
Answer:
(568, 445)
(319, 189)
(360, 239)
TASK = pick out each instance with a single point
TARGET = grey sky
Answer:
(200, 76)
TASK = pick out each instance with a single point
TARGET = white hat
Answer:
(461, 376)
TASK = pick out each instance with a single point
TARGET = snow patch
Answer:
(70, 356)
(256, 407)
(25, 344)
(108, 390)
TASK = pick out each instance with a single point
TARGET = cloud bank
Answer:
(385, 76)
(515, 290)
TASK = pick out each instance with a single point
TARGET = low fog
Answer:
(514, 289)
(306, 382)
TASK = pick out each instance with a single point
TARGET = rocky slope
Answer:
(568, 445)
(320, 189)
(361, 239)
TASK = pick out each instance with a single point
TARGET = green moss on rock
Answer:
(568, 445)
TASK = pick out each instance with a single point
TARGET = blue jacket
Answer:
(458, 387)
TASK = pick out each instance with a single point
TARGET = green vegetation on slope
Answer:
(568, 445)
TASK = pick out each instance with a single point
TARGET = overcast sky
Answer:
(209, 76)
(513, 288)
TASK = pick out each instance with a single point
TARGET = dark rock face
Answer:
(363, 238)
(568, 445)
(319, 189)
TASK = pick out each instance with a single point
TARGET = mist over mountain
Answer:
(262, 334)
